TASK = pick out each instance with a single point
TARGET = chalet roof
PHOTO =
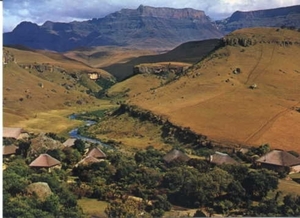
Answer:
(279, 158)
(175, 155)
(9, 149)
(97, 153)
(44, 160)
(69, 142)
(222, 158)
(89, 160)
(12, 132)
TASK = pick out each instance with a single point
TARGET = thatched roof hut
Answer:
(279, 158)
(89, 160)
(12, 132)
(69, 142)
(176, 155)
(219, 158)
(97, 153)
(9, 150)
(44, 161)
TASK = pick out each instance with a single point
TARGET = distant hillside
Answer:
(144, 27)
(190, 52)
(244, 93)
(39, 81)
(278, 17)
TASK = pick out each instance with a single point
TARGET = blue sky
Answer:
(39, 11)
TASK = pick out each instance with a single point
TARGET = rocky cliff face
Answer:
(170, 13)
(144, 27)
(286, 16)
(160, 68)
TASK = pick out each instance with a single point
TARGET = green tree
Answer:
(79, 145)
(22, 206)
(57, 154)
(291, 205)
(265, 208)
(14, 183)
(238, 171)
(51, 205)
(15, 177)
(151, 157)
(201, 165)
(236, 192)
(221, 178)
(124, 208)
(72, 156)
(259, 182)
(23, 148)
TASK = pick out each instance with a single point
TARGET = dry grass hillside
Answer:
(41, 88)
(104, 56)
(149, 77)
(215, 99)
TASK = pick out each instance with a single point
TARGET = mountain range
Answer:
(145, 27)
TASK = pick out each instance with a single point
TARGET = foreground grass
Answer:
(289, 187)
(93, 207)
(129, 132)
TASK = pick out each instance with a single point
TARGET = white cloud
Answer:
(39, 11)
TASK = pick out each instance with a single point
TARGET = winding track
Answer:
(258, 62)
(260, 131)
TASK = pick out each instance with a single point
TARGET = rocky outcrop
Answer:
(43, 143)
(40, 67)
(159, 69)
(7, 57)
(245, 42)
(39, 189)
(145, 26)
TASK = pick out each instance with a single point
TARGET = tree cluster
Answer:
(17, 202)
(141, 183)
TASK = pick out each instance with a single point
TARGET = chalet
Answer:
(279, 160)
(89, 160)
(219, 158)
(176, 155)
(96, 153)
(11, 132)
(93, 76)
(45, 161)
(69, 142)
(9, 150)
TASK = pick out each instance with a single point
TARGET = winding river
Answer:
(74, 132)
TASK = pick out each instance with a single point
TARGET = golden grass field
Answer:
(37, 101)
(210, 99)
(213, 101)
(93, 207)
